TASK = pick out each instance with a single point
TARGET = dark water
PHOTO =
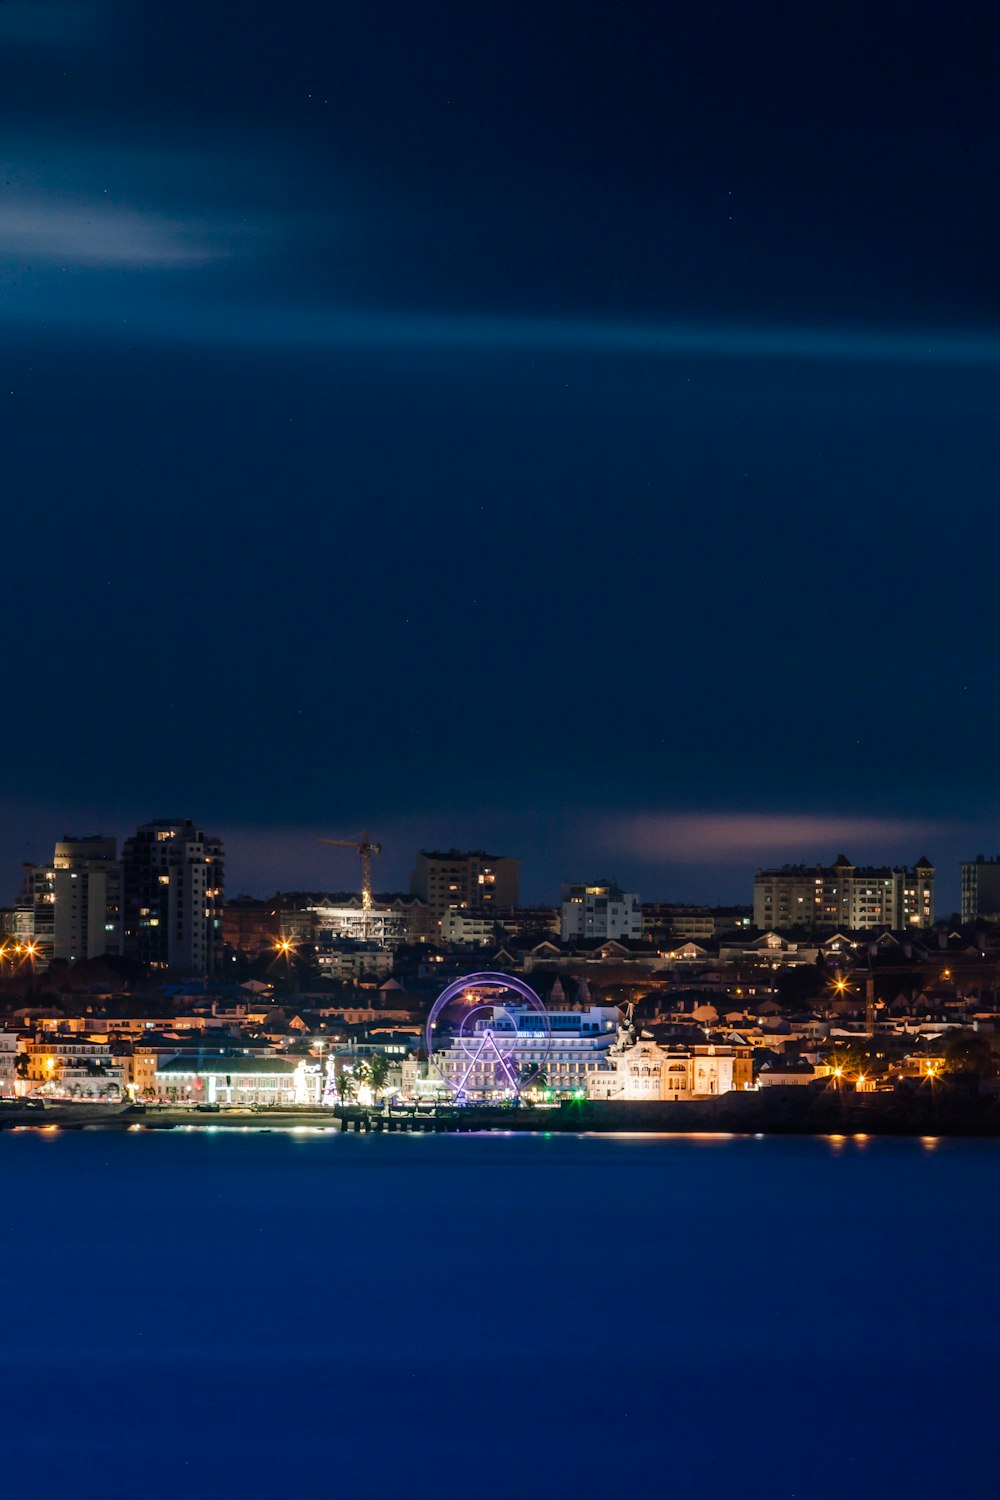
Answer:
(294, 1314)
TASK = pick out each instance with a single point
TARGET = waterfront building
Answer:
(139, 1068)
(172, 897)
(419, 1079)
(981, 889)
(844, 895)
(8, 1063)
(647, 1070)
(553, 1057)
(262, 1081)
(473, 881)
(634, 1072)
(69, 1066)
(599, 911)
(638, 1067)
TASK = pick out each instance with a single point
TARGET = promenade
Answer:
(774, 1111)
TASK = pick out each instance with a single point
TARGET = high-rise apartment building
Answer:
(475, 881)
(981, 889)
(844, 895)
(172, 896)
(601, 911)
(88, 912)
(34, 919)
(71, 909)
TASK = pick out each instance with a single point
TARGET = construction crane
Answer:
(366, 849)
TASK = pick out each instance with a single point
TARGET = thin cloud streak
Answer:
(261, 326)
(722, 838)
(37, 231)
(724, 341)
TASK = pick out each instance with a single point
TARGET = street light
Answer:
(284, 947)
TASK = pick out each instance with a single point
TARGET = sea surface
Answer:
(249, 1314)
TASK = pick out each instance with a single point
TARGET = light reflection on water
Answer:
(835, 1141)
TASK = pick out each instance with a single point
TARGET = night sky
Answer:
(569, 428)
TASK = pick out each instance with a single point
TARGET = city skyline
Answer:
(712, 859)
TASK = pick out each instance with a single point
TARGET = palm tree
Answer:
(346, 1087)
(378, 1073)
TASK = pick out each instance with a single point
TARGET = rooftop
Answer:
(229, 1065)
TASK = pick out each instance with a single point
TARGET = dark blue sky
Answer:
(568, 427)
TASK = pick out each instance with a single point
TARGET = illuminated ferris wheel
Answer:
(488, 1037)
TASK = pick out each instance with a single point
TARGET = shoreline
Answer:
(955, 1111)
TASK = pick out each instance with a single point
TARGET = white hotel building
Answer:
(238, 1080)
(485, 1065)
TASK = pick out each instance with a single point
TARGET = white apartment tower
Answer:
(599, 911)
(844, 895)
(71, 909)
(88, 911)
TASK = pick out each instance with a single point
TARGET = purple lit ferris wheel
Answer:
(488, 1036)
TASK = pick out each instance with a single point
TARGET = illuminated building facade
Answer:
(553, 1058)
(638, 1068)
(251, 926)
(599, 911)
(8, 1063)
(172, 897)
(389, 923)
(139, 1066)
(73, 1067)
(475, 881)
(264, 1081)
(844, 895)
